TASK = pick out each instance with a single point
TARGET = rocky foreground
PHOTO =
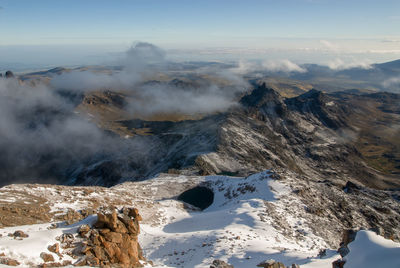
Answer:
(267, 218)
(109, 239)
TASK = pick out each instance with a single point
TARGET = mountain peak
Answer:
(260, 96)
(312, 94)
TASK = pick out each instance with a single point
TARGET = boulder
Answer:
(339, 263)
(72, 216)
(46, 257)
(322, 253)
(66, 238)
(54, 248)
(55, 264)
(343, 250)
(220, 264)
(87, 211)
(83, 230)
(9, 262)
(271, 264)
(20, 233)
(113, 237)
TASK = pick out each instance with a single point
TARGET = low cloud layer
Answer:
(43, 139)
(392, 83)
(340, 64)
(142, 63)
(284, 65)
(141, 60)
(157, 99)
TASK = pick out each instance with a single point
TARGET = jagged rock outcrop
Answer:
(113, 240)
(348, 236)
(265, 102)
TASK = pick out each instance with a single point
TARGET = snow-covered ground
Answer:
(27, 250)
(251, 220)
(239, 227)
(370, 250)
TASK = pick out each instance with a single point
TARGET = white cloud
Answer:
(244, 67)
(340, 64)
(144, 61)
(329, 45)
(394, 81)
(282, 66)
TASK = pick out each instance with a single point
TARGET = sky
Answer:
(68, 32)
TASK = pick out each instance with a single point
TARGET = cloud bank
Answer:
(340, 64)
(392, 83)
(142, 63)
(283, 65)
(43, 139)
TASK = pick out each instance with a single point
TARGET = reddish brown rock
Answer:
(113, 240)
(72, 216)
(83, 230)
(104, 231)
(134, 212)
(54, 248)
(100, 253)
(113, 237)
(55, 264)
(20, 233)
(109, 248)
(9, 262)
(47, 257)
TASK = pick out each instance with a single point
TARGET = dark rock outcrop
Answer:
(349, 235)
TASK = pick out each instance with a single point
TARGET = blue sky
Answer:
(93, 27)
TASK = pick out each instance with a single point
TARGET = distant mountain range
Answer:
(375, 77)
